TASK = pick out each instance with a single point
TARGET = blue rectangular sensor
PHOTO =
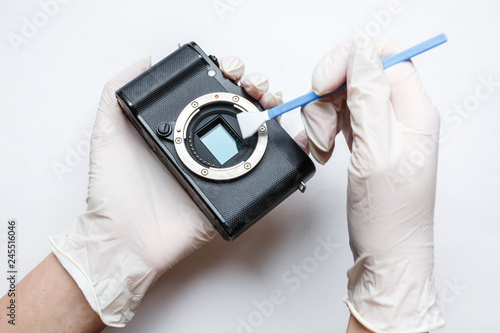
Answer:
(220, 140)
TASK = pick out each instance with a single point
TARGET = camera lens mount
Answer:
(208, 140)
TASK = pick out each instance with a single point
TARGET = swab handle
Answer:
(414, 51)
(294, 103)
(386, 63)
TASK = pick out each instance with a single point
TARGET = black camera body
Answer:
(185, 108)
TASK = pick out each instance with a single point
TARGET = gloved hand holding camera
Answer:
(139, 221)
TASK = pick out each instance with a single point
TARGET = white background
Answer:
(51, 84)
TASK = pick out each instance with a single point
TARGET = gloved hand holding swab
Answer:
(250, 122)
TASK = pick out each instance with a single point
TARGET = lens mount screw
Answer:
(236, 98)
(247, 166)
(262, 128)
(178, 140)
(204, 172)
(194, 104)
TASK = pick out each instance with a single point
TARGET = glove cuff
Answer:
(432, 320)
(110, 296)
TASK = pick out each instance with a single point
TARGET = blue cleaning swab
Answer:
(251, 121)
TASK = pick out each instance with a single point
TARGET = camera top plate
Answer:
(183, 138)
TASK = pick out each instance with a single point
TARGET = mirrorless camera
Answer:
(185, 108)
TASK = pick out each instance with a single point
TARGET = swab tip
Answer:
(250, 122)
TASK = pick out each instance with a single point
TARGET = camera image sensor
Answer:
(221, 140)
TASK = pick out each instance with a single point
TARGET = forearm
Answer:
(355, 327)
(49, 300)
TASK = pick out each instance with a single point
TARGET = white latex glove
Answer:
(139, 221)
(391, 127)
